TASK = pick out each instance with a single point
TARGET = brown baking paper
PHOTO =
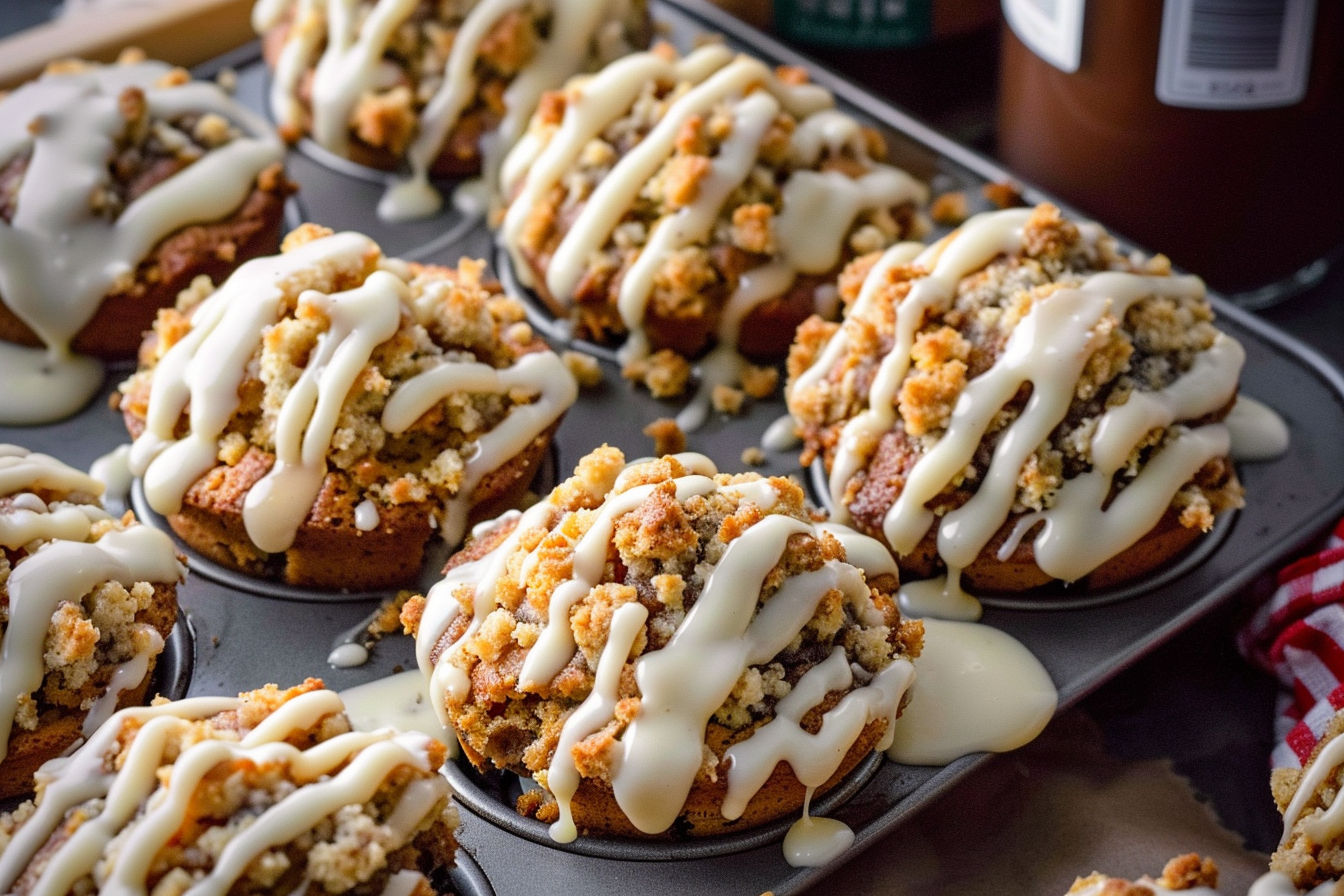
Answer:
(1032, 821)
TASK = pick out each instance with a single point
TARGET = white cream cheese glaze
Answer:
(1275, 883)
(200, 376)
(57, 257)
(978, 689)
(1047, 349)
(143, 810)
(65, 564)
(1258, 432)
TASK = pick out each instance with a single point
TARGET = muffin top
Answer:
(1313, 814)
(264, 793)
(560, 646)
(98, 163)
(1020, 368)
(435, 82)
(411, 382)
(668, 188)
(77, 595)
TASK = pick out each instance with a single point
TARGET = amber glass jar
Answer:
(1252, 199)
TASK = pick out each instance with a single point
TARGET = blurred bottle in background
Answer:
(1210, 130)
(937, 59)
(852, 24)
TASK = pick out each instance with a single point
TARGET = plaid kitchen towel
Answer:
(1299, 636)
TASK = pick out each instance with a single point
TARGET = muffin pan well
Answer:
(246, 634)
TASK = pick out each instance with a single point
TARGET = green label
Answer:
(855, 23)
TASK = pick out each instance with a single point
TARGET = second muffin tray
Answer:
(239, 635)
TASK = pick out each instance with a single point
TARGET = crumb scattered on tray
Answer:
(584, 368)
(1003, 194)
(667, 436)
(949, 209)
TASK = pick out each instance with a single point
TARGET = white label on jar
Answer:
(1234, 54)
(1052, 29)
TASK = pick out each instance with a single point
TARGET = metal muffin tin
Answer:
(248, 633)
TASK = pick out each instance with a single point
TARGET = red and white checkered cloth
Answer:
(1299, 636)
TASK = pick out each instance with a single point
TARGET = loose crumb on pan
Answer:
(758, 381)
(753, 456)
(587, 372)
(949, 209)
(665, 373)
(727, 399)
(387, 619)
(1003, 194)
(667, 436)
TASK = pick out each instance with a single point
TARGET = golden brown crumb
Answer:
(753, 456)
(949, 209)
(759, 382)
(665, 373)
(1189, 871)
(681, 179)
(751, 228)
(585, 369)
(667, 436)
(727, 400)
(1003, 194)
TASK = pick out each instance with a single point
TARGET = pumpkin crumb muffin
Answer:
(324, 411)
(1311, 852)
(1020, 403)
(186, 182)
(269, 792)
(440, 87)
(560, 643)
(677, 204)
(87, 601)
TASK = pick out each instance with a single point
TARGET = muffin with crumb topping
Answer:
(1311, 852)
(666, 650)
(1019, 403)
(318, 416)
(87, 601)
(118, 185)
(677, 203)
(441, 87)
(268, 792)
